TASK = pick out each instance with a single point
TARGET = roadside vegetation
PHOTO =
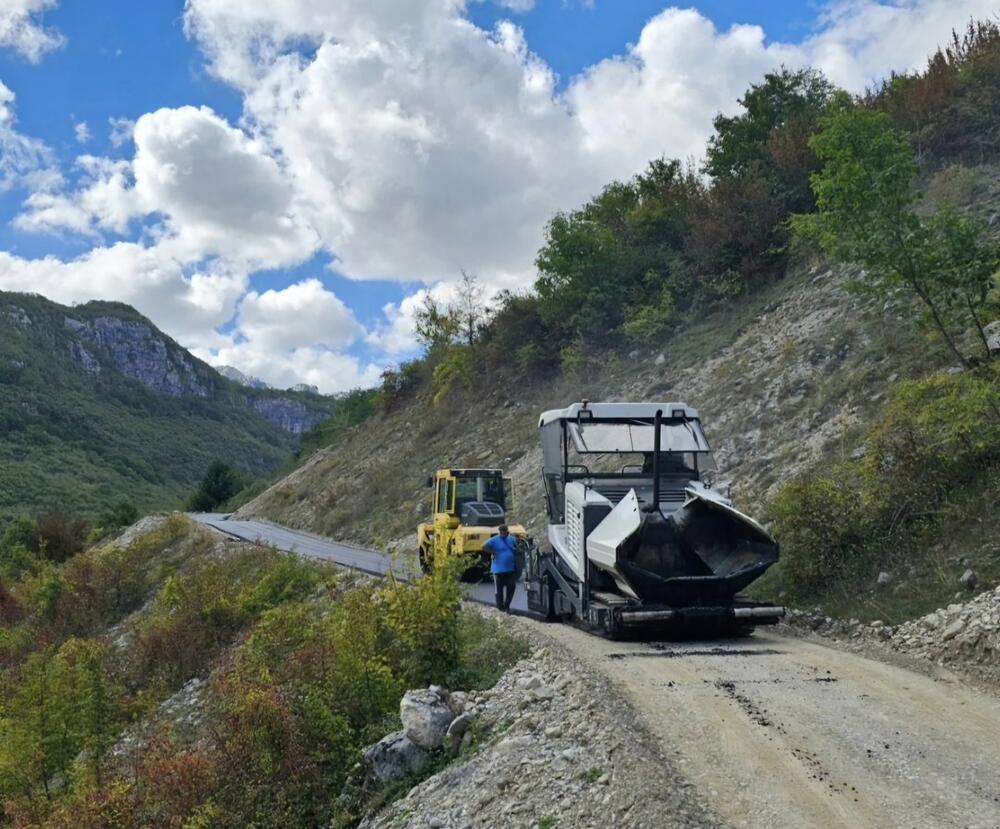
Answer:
(925, 488)
(303, 667)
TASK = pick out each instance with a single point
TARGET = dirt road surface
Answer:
(783, 732)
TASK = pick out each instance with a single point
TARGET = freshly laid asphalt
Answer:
(373, 562)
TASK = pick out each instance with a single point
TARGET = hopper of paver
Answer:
(702, 553)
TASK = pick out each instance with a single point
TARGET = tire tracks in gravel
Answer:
(784, 732)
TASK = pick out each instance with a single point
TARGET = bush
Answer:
(519, 340)
(935, 448)
(219, 484)
(822, 526)
(652, 322)
(15, 543)
(455, 369)
(950, 110)
(58, 536)
(399, 384)
(124, 513)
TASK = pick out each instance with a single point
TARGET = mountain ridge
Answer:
(97, 404)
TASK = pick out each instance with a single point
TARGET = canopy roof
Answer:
(618, 411)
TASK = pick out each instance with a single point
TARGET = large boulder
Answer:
(394, 757)
(426, 716)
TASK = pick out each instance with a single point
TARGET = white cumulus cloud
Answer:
(403, 141)
(22, 31)
(23, 160)
(303, 314)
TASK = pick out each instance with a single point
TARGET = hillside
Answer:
(789, 379)
(820, 289)
(778, 382)
(97, 404)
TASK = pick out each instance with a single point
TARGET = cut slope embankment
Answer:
(788, 377)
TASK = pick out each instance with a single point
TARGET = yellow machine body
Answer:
(468, 505)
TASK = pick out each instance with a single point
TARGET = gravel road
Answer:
(784, 732)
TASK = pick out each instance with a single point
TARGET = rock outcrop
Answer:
(393, 758)
(426, 716)
(139, 352)
(432, 721)
(237, 376)
(291, 415)
(17, 315)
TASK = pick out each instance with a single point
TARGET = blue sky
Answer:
(374, 185)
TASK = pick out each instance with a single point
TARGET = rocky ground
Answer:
(963, 637)
(551, 745)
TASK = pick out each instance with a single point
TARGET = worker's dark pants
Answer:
(505, 583)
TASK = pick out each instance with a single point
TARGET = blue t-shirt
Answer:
(502, 550)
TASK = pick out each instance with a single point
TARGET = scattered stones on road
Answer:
(964, 637)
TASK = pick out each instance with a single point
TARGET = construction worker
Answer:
(503, 566)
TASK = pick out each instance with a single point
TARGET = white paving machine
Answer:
(638, 540)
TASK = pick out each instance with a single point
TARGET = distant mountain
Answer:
(96, 403)
(238, 376)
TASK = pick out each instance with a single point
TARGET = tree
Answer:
(435, 327)
(58, 536)
(219, 484)
(122, 514)
(965, 263)
(866, 215)
(468, 309)
(63, 705)
(770, 137)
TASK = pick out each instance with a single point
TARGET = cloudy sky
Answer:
(276, 182)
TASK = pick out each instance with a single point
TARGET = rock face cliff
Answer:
(137, 352)
(237, 376)
(292, 415)
(96, 404)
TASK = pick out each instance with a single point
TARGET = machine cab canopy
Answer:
(587, 441)
(618, 428)
(458, 487)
